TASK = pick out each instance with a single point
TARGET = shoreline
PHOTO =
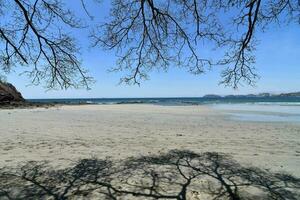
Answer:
(233, 111)
(169, 101)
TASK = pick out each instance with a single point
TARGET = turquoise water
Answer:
(283, 112)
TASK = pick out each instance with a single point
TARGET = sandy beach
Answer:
(62, 135)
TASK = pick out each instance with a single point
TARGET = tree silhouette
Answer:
(174, 175)
(145, 34)
(32, 34)
(151, 34)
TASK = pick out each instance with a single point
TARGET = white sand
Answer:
(63, 135)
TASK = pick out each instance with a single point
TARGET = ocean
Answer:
(178, 101)
(265, 109)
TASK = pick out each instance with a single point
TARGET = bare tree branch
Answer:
(154, 34)
(32, 36)
(146, 35)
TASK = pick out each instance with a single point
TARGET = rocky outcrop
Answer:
(8, 93)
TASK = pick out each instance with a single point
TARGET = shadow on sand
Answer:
(174, 175)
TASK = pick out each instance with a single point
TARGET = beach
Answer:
(62, 135)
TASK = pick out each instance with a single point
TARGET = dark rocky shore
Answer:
(25, 104)
(11, 98)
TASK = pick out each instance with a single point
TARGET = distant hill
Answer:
(212, 96)
(292, 94)
(264, 94)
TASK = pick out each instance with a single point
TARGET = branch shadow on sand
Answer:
(173, 175)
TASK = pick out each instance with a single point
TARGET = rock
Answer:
(8, 93)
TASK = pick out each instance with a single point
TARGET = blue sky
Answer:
(278, 64)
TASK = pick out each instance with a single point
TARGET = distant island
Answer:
(291, 94)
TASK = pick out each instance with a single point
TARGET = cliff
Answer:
(8, 93)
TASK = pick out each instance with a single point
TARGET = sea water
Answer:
(275, 109)
(265, 112)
